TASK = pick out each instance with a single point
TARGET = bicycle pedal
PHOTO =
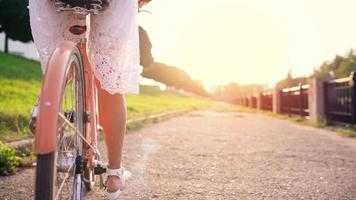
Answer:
(70, 115)
(34, 114)
(86, 117)
(100, 128)
(32, 125)
(99, 168)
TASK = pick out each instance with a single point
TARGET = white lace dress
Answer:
(113, 41)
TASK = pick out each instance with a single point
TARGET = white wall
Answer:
(27, 50)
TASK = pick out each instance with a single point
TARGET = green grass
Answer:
(152, 100)
(20, 80)
(19, 85)
(351, 133)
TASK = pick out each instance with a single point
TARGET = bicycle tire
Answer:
(47, 171)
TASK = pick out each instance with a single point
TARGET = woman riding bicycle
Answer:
(114, 56)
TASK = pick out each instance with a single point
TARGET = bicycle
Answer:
(66, 122)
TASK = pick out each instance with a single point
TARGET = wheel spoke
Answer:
(78, 133)
(63, 183)
(69, 127)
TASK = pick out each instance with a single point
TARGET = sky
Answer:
(249, 41)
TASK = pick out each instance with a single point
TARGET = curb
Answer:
(27, 143)
(159, 117)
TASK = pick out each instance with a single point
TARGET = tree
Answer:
(146, 58)
(14, 21)
(289, 81)
(173, 77)
(233, 91)
(339, 67)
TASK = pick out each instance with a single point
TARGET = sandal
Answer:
(124, 175)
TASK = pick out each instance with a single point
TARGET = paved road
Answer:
(228, 155)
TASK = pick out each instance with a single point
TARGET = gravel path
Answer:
(227, 155)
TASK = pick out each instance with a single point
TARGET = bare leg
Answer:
(112, 116)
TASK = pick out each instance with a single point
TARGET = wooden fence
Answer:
(338, 100)
(266, 101)
(294, 101)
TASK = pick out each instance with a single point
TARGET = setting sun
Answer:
(252, 41)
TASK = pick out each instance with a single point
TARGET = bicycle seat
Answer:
(86, 4)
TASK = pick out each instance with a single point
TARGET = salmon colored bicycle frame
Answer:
(50, 99)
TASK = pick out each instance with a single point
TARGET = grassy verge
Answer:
(20, 80)
(152, 101)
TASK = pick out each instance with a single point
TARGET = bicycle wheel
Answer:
(59, 174)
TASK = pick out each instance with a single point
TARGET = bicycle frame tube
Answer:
(91, 103)
(46, 130)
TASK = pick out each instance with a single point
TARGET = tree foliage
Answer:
(339, 67)
(146, 58)
(174, 77)
(233, 91)
(8, 160)
(289, 81)
(15, 20)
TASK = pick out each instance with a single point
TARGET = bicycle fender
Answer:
(50, 98)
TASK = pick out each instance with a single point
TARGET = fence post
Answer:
(250, 101)
(316, 100)
(353, 97)
(259, 101)
(276, 101)
(289, 102)
(301, 99)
